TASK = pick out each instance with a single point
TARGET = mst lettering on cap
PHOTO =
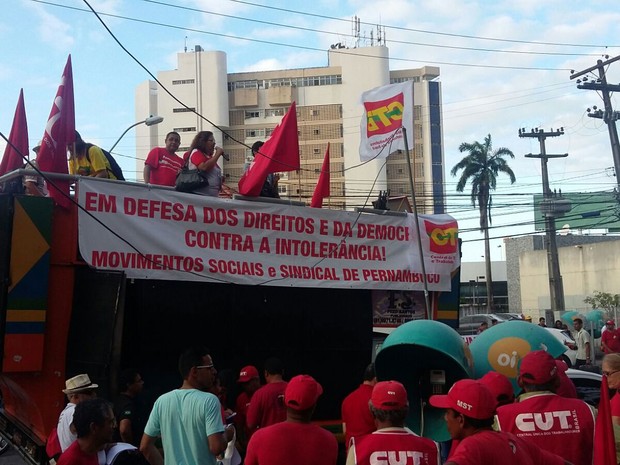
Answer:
(463, 405)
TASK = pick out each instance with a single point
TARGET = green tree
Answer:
(605, 300)
(481, 167)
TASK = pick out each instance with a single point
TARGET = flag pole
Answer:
(429, 314)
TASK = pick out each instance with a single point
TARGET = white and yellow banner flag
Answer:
(387, 110)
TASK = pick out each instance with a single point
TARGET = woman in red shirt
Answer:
(203, 155)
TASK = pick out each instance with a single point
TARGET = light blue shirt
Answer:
(184, 418)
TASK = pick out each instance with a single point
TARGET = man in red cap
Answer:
(392, 442)
(296, 440)
(610, 339)
(500, 386)
(557, 424)
(249, 381)
(356, 417)
(469, 418)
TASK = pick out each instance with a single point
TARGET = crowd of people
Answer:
(161, 166)
(271, 424)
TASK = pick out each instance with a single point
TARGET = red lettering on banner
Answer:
(309, 272)
(100, 202)
(217, 240)
(274, 222)
(162, 210)
(383, 232)
(127, 260)
(406, 276)
(342, 229)
(350, 274)
(220, 216)
(235, 267)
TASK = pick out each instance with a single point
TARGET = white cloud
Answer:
(52, 30)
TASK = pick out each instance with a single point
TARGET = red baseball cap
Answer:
(499, 385)
(469, 397)
(389, 395)
(610, 322)
(247, 373)
(302, 392)
(538, 367)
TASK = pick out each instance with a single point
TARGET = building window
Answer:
(190, 129)
(317, 151)
(183, 81)
(316, 132)
(252, 114)
(268, 132)
(183, 110)
(314, 112)
(254, 133)
(274, 112)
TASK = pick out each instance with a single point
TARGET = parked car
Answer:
(588, 385)
(565, 337)
(469, 324)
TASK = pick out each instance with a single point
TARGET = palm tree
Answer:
(481, 167)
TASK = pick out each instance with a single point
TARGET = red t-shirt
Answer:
(267, 406)
(495, 448)
(394, 445)
(164, 166)
(289, 443)
(557, 424)
(74, 456)
(611, 337)
(356, 414)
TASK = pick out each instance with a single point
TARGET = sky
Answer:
(504, 65)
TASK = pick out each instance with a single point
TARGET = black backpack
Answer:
(114, 167)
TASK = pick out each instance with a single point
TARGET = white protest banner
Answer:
(387, 109)
(163, 234)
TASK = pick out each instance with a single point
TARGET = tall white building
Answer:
(247, 106)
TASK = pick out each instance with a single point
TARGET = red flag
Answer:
(279, 153)
(59, 132)
(604, 442)
(12, 158)
(322, 186)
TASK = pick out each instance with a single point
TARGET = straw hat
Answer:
(79, 383)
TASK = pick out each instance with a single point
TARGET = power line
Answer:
(305, 47)
(423, 31)
(404, 42)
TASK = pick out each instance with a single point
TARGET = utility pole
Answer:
(551, 207)
(609, 115)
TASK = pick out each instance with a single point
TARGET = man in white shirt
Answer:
(78, 389)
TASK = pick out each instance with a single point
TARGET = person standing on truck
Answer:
(94, 424)
(389, 407)
(88, 160)
(295, 440)
(356, 417)
(188, 419)
(267, 406)
(162, 164)
(78, 389)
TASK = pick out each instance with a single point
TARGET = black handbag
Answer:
(189, 180)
